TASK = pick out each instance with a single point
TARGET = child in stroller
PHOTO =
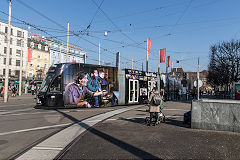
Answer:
(155, 108)
(158, 117)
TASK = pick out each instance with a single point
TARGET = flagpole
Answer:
(147, 58)
(159, 63)
(159, 77)
(166, 81)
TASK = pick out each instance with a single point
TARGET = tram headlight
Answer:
(38, 101)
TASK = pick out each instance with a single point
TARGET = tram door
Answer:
(151, 85)
(133, 91)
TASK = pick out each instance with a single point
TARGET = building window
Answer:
(11, 40)
(10, 51)
(19, 42)
(4, 71)
(17, 73)
(18, 52)
(5, 50)
(19, 34)
(17, 62)
(32, 45)
(30, 73)
(9, 72)
(10, 61)
(11, 31)
(4, 61)
(6, 29)
(5, 39)
(38, 65)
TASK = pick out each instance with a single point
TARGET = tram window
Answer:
(56, 85)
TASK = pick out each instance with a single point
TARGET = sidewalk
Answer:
(126, 136)
(24, 98)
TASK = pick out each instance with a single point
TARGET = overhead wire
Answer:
(26, 23)
(185, 10)
(63, 26)
(95, 14)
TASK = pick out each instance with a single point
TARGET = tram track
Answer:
(19, 153)
(35, 143)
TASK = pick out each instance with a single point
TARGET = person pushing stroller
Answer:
(156, 104)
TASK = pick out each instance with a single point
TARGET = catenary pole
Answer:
(21, 67)
(147, 59)
(132, 63)
(67, 42)
(198, 80)
(159, 63)
(99, 50)
(8, 53)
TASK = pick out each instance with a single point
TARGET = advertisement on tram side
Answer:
(90, 87)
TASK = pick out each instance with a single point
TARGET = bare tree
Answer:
(224, 64)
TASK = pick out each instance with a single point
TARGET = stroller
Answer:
(157, 114)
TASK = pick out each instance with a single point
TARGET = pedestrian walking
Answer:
(33, 89)
(2, 92)
(13, 89)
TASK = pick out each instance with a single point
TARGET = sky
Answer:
(186, 28)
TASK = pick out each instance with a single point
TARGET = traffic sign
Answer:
(200, 83)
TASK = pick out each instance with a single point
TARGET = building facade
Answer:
(189, 77)
(38, 57)
(18, 49)
(58, 52)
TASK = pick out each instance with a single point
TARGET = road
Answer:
(22, 126)
(122, 135)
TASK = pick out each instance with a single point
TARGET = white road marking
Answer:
(20, 114)
(34, 129)
(18, 105)
(14, 111)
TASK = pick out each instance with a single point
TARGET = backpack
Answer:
(157, 99)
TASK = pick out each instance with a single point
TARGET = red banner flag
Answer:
(171, 66)
(148, 47)
(29, 55)
(163, 55)
(168, 61)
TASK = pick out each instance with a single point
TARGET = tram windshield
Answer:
(46, 82)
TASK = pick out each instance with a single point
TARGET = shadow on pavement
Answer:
(169, 121)
(123, 145)
(134, 120)
(177, 123)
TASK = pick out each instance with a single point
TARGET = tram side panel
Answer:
(98, 79)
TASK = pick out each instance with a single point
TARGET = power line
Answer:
(113, 23)
(95, 14)
(63, 26)
(181, 16)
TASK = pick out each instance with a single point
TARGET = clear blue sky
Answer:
(186, 28)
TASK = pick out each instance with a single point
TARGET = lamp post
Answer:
(8, 53)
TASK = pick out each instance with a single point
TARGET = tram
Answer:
(118, 87)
